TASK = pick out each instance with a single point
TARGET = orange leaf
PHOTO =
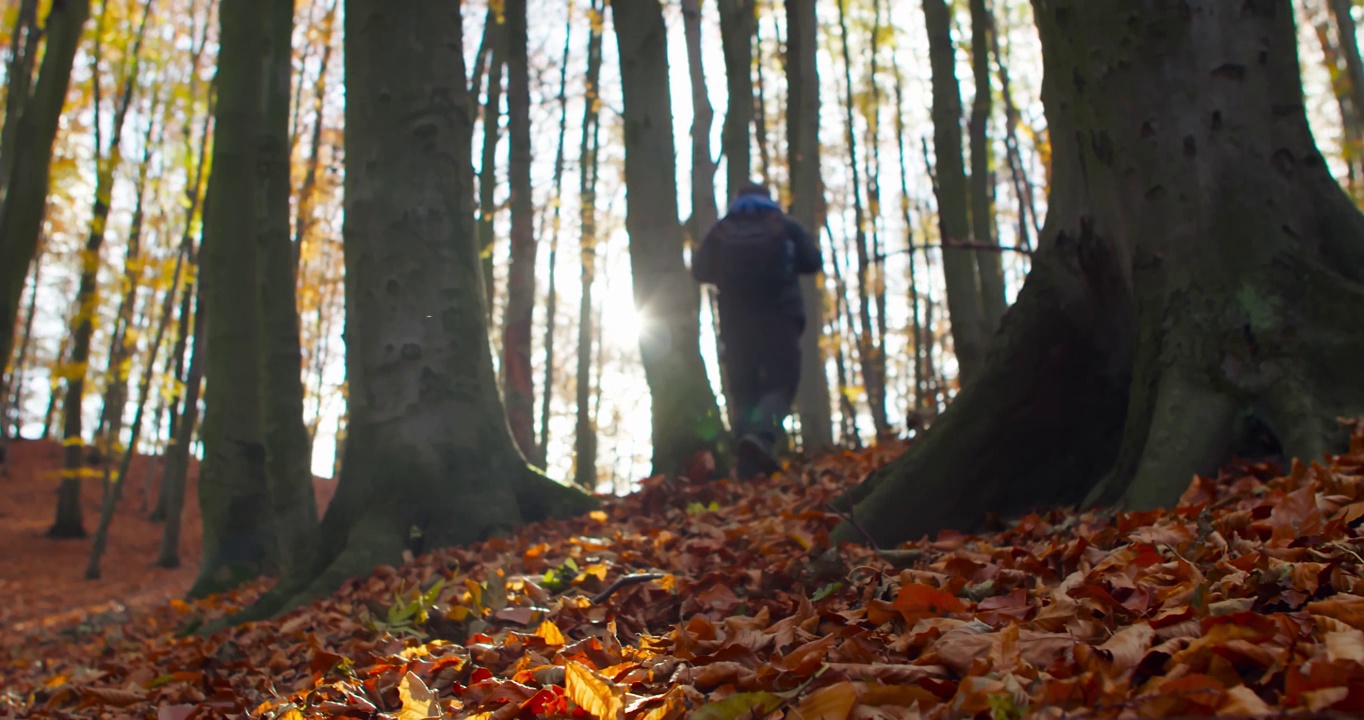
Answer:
(596, 695)
(550, 633)
(834, 702)
(418, 700)
(916, 601)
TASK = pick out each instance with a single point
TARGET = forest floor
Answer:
(42, 581)
(724, 600)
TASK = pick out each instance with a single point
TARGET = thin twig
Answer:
(848, 518)
(622, 582)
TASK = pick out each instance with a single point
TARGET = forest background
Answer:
(139, 110)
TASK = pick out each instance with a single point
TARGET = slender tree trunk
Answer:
(121, 349)
(288, 453)
(842, 326)
(585, 432)
(12, 393)
(877, 269)
(496, 32)
(1354, 67)
(760, 107)
(1201, 276)
(23, 53)
(808, 207)
(738, 25)
(989, 262)
(1029, 224)
(21, 217)
(959, 263)
(686, 419)
(868, 350)
(306, 217)
(175, 473)
(704, 212)
(556, 202)
(234, 500)
(111, 500)
(68, 522)
(917, 335)
(519, 318)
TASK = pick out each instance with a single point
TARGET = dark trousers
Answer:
(762, 361)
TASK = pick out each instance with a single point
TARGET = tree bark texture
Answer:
(427, 453)
(738, 25)
(585, 430)
(234, 500)
(288, 451)
(808, 207)
(1200, 275)
(685, 417)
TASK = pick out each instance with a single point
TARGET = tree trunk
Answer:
(917, 345)
(868, 349)
(686, 419)
(12, 411)
(519, 318)
(21, 217)
(1200, 275)
(288, 453)
(428, 452)
(959, 263)
(305, 216)
(556, 203)
(495, 32)
(738, 25)
(68, 522)
(585, 432)
(989, 262)
(23, 53)
(1028, 222)
(807, 204)
(1354, 67)
(175, 472)
(233, 497)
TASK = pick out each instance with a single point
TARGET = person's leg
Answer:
(778, 378)
(745, 391)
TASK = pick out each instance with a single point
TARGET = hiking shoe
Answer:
(755, 458)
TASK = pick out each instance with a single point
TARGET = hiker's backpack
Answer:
(756, 256)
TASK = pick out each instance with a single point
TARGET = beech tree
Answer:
(428, 454)
(807, 206)
(1200, 278)
(686, 418)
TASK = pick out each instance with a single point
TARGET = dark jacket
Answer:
(735, 309)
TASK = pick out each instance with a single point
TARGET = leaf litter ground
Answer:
(723, 600)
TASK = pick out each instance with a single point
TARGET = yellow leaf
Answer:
(292, 714)
(597, 515)
(550, 633)
(596, 695)
(418, 700)
(55, 681)
(828, 703)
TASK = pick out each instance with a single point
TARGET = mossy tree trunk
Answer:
(685, 416)
(807, 206)
(233, 499)
(1200, 274)
(288, 451)
(428, 453)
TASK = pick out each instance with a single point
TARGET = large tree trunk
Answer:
(288, 451)
(175, 473)
(23, 54)
(959, 262)
(686, 419)
(807, 205)
(519, 319)
(585, 429)
(21, 217)
(1200, 275)
(428, 452)
(989, 262)
(233, 497)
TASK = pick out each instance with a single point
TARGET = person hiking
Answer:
(754, 256)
